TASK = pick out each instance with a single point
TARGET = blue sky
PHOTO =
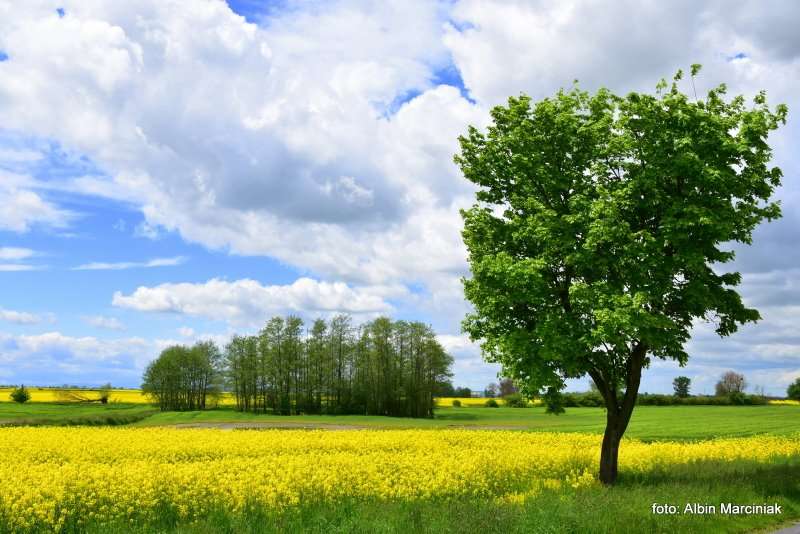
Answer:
(178, 172)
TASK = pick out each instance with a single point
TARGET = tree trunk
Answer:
(609, 453)
(618, 414)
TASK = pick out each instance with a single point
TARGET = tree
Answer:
(182, 378)
(597, 223)
(681, 386)
(506, 387)
(20, 394)
(730, 382)
(490, 391)
(793, 391)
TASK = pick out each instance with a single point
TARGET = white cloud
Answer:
(146, 230)
(22, 207)
(248, 302)
(281, 169)
(15, 155)
(108, 323)
(19, 317)
(54, 358)
(16, 253)
(14, 267)
(157, 262)
(287, 140)
(83, 348)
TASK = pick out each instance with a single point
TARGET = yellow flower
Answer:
(53, 476)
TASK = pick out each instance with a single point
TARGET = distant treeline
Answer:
(383, 367)
(593, 399)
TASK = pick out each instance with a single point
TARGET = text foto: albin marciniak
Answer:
(729, 508)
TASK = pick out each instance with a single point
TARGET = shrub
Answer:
(656, 399)
(737, 397)
(456, 403)
(553, 401)
(491, 403)
(515, 400)
(20, 394)
(591, 399)
(569, 400)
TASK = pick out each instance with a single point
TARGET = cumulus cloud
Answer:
(15, 253)
(331, 149)
(118, 266)
(14, 267)
(24, 207)
(55, 358)
(19, 317)
(11, 256)
(248, 302)
(303, 164)
(101, 321)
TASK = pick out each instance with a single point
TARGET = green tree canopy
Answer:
(183, 378)
(681, 386)
(600, 230)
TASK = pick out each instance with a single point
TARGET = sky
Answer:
(173, 170)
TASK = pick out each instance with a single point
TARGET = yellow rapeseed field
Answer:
(473, 401)
(54, 476)
(133, 396)
(785, 402)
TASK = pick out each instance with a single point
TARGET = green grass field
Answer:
(648, 422)
(42, 413)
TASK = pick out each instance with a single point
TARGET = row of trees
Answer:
(383, 367)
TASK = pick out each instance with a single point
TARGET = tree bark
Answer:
(618, 411)
(609, 452)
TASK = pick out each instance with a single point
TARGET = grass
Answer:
(42, 413)
(648, 422)
(625, 507)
